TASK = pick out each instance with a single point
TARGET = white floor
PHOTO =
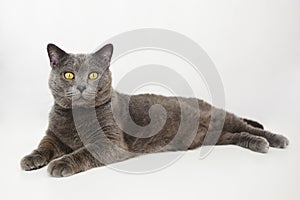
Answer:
(229, 172)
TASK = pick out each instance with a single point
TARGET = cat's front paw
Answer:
(278, 141)
(33, 161)
(60, 168)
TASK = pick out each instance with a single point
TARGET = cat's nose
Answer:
(81, 88)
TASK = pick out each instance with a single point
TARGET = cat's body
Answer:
(86, 127)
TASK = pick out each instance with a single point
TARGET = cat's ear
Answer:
(105, 52)
(55, 54)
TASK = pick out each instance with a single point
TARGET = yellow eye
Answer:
(69, 75)
(93, 75)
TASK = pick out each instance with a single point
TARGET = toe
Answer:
(60, 169)
(279, 141)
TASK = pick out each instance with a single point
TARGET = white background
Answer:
(255, 45)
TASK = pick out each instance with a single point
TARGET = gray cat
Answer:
(81, 87)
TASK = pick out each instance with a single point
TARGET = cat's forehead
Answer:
(81, 59)
(80, 62)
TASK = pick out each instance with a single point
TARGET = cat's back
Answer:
(141, 103)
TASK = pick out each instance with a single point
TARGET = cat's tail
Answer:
(253, 123)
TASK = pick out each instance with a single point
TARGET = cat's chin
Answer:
(80, 103)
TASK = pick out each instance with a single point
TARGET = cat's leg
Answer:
(253, 123)
(246, 140)
(49, 148)
(84, 159)
(235, 124)
(275, 140)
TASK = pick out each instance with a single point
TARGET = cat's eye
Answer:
(69, 75)
(93, 75)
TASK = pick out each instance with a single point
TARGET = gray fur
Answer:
(69, 152)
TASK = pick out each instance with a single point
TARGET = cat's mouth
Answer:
(79, 97)
(82, 100)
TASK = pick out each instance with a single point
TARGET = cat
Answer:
(81, 85)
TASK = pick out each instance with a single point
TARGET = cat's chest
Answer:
(64, 128)
(74, 128)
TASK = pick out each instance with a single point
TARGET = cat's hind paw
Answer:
(278, 141)
(260, 145)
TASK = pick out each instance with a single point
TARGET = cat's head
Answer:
(80, 80)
